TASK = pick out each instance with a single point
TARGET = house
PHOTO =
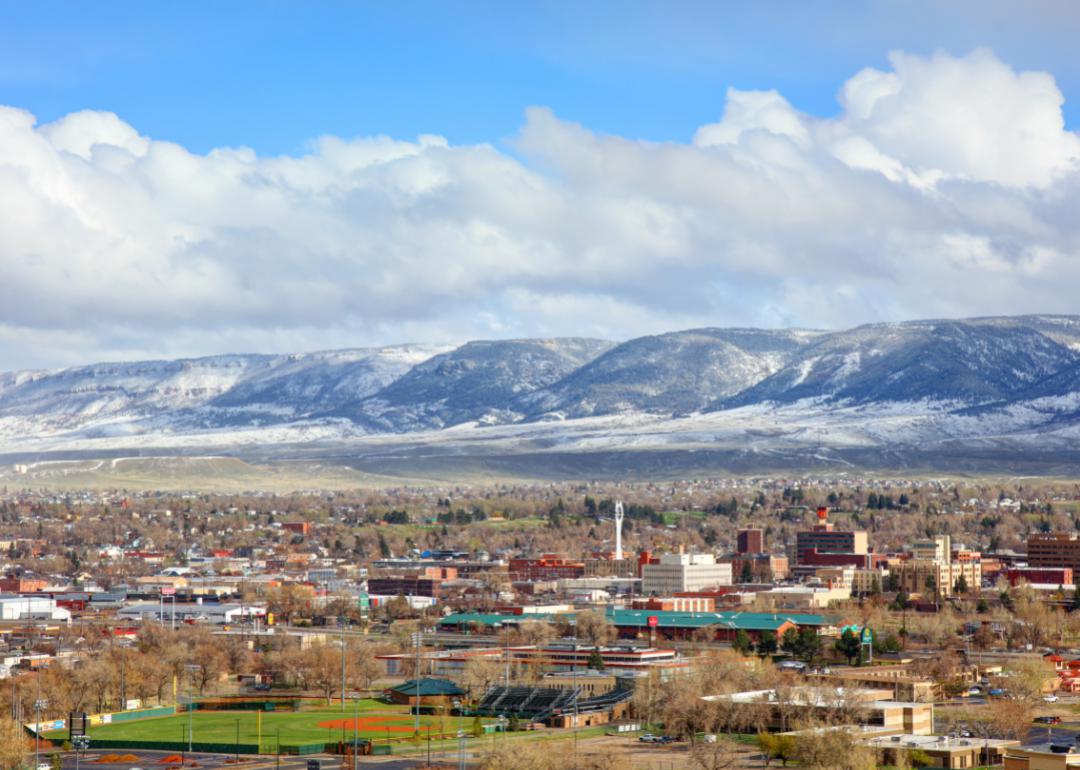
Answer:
(432, 693)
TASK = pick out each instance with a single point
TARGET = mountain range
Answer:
(1006, 384)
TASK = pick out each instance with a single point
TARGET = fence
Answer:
(218, 748)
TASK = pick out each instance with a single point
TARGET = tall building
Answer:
(1054, 549)
(824, 538)
(750, 541)
(933, 568)
(825, 546)
(675, 572)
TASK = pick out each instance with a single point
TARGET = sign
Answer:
(77, 722)
(168, 591)
(867, 636)
(653, 621)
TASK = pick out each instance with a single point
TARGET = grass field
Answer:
(378, 721)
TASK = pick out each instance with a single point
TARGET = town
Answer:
(706, 624)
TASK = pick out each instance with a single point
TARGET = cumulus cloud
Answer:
(945, 186)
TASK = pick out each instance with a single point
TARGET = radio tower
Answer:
(618, 530)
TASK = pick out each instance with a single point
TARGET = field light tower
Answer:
(618, 530)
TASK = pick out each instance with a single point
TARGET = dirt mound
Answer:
(114, 758)
(372, 724)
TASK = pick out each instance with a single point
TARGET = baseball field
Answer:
(368, 720)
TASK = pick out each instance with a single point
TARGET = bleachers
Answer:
(537, 704)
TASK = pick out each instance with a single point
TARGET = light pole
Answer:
(461, 749)
(341, 622)
(79, 743)
(238, 741)
(416, 719)
(355, 733)
(191, 669)
(39, 705)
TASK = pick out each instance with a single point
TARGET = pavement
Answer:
(151, 760)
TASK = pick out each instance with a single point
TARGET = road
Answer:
(151, 760)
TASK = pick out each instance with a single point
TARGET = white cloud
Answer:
(944, 187)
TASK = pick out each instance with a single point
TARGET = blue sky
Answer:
(188, 178)
(274, 75)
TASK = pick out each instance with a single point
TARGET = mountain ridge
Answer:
(973, 382)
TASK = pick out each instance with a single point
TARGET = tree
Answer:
(363, 667)
(593, 627)
(479, 674)
(747, 575)
(767, 644)
(849, 645)
(13, 745)
(742, 643)
(833, 748)
(596, 661)
(774, 746)
(789, 642)
(961, 586)
(802, 643)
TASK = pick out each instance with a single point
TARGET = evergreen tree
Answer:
(848, 645)
(742, 642)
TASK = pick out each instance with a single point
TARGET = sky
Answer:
(182, 179)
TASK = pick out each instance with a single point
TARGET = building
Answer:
(212, 613)
(659, 625)
(805, 597)
(749, 541)
(1043, 756)
(1054, 549)
(941, 750)
(759, 567)
(405, 586)
(933, 569)
(823, 538)
(603, 567)
(32, 608)
(549, 566)
(22, 584)
(875, 707)
(1059, 576)
(428, 694)
(675, 603)
(679, 572)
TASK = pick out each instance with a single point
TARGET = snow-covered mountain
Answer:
(880, 392)
(961, 362)
(480, 381)
(676, 373)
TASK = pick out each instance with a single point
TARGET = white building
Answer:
(677, 572)
(216, 614)
(32, 608)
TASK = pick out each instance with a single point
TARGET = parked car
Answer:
(996, 692)
(1051, 698)
(649, 738)
(1048, 720)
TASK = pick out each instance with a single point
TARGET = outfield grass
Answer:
(378, 722)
